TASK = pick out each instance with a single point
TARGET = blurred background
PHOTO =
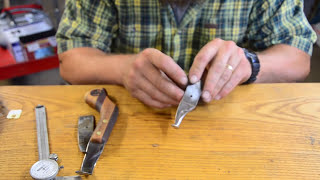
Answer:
(48, 74)
(53, 8)
(45, 71)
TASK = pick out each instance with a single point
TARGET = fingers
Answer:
(136, 81)
(155, 93)
(149, 79)
(202, 59)
(226, 66)
(231, 84)
(146, 99)
(162, 84)
(223, 75)
(236, 78)
(167, 65)
(143, 90)
(239, 76)
(216, 70)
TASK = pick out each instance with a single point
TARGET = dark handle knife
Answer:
(98, 99)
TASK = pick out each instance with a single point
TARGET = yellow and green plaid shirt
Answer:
(129, 26)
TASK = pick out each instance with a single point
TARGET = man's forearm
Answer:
(92, 66)
(141, 74)
(280, 63)
(283, 63)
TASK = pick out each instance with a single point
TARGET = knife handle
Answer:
(98, 99)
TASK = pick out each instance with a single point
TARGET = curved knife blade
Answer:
(85, 130)
(188, 103)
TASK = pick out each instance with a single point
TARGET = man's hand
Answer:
(92, 66)
(226, 67)
(152, 77)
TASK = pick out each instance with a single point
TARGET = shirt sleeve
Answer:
(280, 22)
(87, 24)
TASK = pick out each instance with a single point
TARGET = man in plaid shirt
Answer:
(154, 47)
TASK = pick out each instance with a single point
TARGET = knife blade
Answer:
(85, 130)
(188, 103)
(99, 100)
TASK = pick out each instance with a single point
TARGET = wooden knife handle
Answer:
(98, 99)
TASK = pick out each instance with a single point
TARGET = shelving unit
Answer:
(10, 69)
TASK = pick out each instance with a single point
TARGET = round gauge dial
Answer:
(44, 169)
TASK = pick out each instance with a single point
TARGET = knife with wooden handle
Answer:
(98, 99)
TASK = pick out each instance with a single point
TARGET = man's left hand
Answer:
(226, 66)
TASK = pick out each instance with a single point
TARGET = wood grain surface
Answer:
(265, 131)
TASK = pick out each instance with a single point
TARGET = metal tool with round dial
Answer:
(45, 168)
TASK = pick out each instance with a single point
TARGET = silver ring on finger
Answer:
(230, 67)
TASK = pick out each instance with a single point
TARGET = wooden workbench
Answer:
(265, 131)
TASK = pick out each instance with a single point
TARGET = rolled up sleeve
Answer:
(87, 24)
(280, 22)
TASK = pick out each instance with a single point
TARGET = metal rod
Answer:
(42, 132)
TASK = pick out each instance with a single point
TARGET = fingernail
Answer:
(206, 96)
(218, 97)
(193, 79)
(184, 80)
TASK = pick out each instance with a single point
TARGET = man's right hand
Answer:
(154, 78)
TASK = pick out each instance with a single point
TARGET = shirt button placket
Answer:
(176, 45)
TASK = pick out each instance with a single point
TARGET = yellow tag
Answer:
(14, 114)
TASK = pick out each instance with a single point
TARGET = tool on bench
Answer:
(188, 103)
(85, 130)
(98, 99)
(47, 166)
